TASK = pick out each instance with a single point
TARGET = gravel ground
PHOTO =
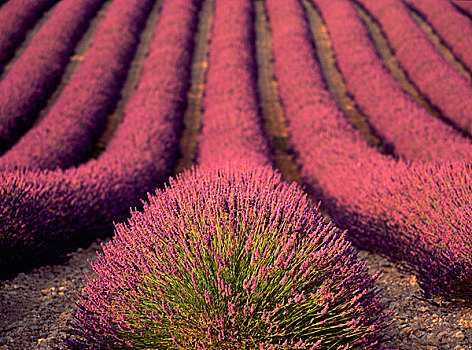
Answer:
(36, 307)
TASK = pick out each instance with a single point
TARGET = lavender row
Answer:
(417, 214)
(434, 76)
(465, 6)
(65, 136)
(45, 214)
(231, 122)
(396, 118)
(34, 76)
(16, 18)
(452, 26)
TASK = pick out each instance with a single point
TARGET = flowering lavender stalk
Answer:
(65, 136)
(228, 259)
(231, 121)
(452, 26)
(395, 116)
(416, 214)
(16, 18)
(45, 214)
(33, 77)
(434, 76)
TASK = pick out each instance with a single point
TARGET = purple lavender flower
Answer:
(181, 275)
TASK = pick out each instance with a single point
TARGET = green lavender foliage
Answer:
(229, 259)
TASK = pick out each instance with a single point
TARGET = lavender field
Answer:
(260, 174)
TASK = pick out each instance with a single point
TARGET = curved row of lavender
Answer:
(16, 18)
(435, 77)
(451, 25)
(417, 215)
(231, 123)
(229, 255)
(33, 77)
(395, 116)
(45, 214)
(65, 136)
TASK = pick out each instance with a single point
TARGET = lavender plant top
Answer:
(228, 259)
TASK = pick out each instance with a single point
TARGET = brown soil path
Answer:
(333, 76)
(134, 73)
(193, 112)
(74, 62)
(272, 112)
(29, 35)
(439, 44)
(387, 55)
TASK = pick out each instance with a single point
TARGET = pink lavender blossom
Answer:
(148, 293)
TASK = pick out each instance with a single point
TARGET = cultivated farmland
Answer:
(259, 174)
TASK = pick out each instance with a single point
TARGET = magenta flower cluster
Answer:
(65, 136)
(45, 214)
(16, 18)
(228, 259)
(400, 122)
(33, 77)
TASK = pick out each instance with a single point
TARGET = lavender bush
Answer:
(231, 120)
(463, 6)
(228, 259)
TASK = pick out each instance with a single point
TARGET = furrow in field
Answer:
(391, 207)
(49, 213)
(272, 112)
(32, 79)
(335, 81)
(65, 136)
(115, 117)
(455, 47)
(19, 20)
(390, 61)
(75, 61)
(193, 111)
(434, 76)
(393, 114)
